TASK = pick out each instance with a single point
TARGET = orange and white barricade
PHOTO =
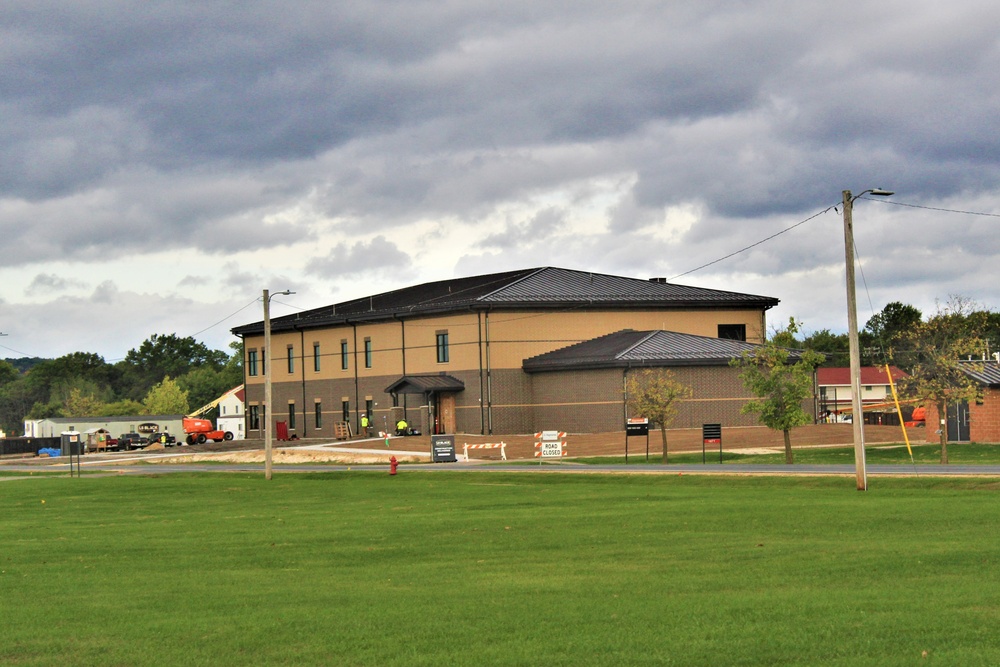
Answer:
(550, 444)
(502, 446)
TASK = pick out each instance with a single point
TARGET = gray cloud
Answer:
(47, 283)
(364, 258)
(213, 135)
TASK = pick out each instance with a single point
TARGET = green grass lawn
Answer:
(485, 568)
(958, 453)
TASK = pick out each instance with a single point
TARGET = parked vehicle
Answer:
(164, 437)
(202, 430)
(129, 441)
(111, 443)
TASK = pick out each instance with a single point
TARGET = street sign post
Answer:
(636, 426)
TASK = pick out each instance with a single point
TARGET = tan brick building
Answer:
(450, 355)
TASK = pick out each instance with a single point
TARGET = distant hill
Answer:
(24, 363)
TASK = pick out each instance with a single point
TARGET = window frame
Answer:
(441, 347)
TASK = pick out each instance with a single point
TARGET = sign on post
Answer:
(550, 444)
(636, 426)
(710, 435)
(443, 449)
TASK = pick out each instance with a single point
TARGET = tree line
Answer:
(166, 374)
(888, 336)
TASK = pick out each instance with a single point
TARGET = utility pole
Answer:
(266, 363)
(858, 415)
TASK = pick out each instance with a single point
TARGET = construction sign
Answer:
(550, 444)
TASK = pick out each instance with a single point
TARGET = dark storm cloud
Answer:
(134, 127)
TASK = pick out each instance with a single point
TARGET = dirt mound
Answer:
(292, 456)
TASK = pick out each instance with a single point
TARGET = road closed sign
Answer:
(550, 444)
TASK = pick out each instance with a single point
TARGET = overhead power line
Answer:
(816, 215)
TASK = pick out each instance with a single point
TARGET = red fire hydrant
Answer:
(393, 463)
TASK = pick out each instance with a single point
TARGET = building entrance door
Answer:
(445, 409)
(958, 422)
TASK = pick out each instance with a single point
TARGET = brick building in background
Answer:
(978, 421)
(454, 356)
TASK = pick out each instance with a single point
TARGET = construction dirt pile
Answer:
(287, 456)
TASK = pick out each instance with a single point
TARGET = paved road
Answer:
(115, 465)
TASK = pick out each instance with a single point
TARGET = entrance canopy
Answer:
(425, 384)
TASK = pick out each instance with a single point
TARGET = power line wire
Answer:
(753, 245)
(931, 208)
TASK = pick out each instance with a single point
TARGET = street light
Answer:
(267, 380)
(852, 335)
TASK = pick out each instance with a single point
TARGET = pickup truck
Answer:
(168, 439)
(128, 441)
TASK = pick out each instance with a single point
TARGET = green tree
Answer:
(124, 408)
(781, 386)
(166, 398)
(8, 373)
(79, 404)
(654, 393)
(162, 356)
(884, 331)
(932, 352)
(835, 348)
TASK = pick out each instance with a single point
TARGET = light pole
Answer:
(857, 416)
(266, 362)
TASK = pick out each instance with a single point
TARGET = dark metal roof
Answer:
(423, 384)
(629, 348)
(546, 287)
(986, 372)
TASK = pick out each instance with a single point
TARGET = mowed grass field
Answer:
(881, 454)
(360, 568)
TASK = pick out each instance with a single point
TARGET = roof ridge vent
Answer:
(661, 281)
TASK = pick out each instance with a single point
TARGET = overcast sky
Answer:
(161, 163)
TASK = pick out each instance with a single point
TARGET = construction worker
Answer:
(401, 427)
(365, 425)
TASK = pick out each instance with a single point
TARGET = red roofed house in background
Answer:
(876, 396)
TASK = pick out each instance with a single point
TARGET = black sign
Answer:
(443, 449)
(637, 427)
(711, 432)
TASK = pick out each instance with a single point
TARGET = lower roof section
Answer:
(425, 384)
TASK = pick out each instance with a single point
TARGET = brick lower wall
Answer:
(984, 419)
(589, 401)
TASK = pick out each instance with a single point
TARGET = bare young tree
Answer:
(654, 393)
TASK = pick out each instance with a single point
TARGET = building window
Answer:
(319, 415)
(263, 368)
(733, 332)
(291, 359)
(442, 347)
(254, 413)
(368, 352)
(291, 416)
(316, 357)
(251, 362)
(345, 407)
(343, 354)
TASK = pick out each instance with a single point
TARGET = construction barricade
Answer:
(502, 446)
